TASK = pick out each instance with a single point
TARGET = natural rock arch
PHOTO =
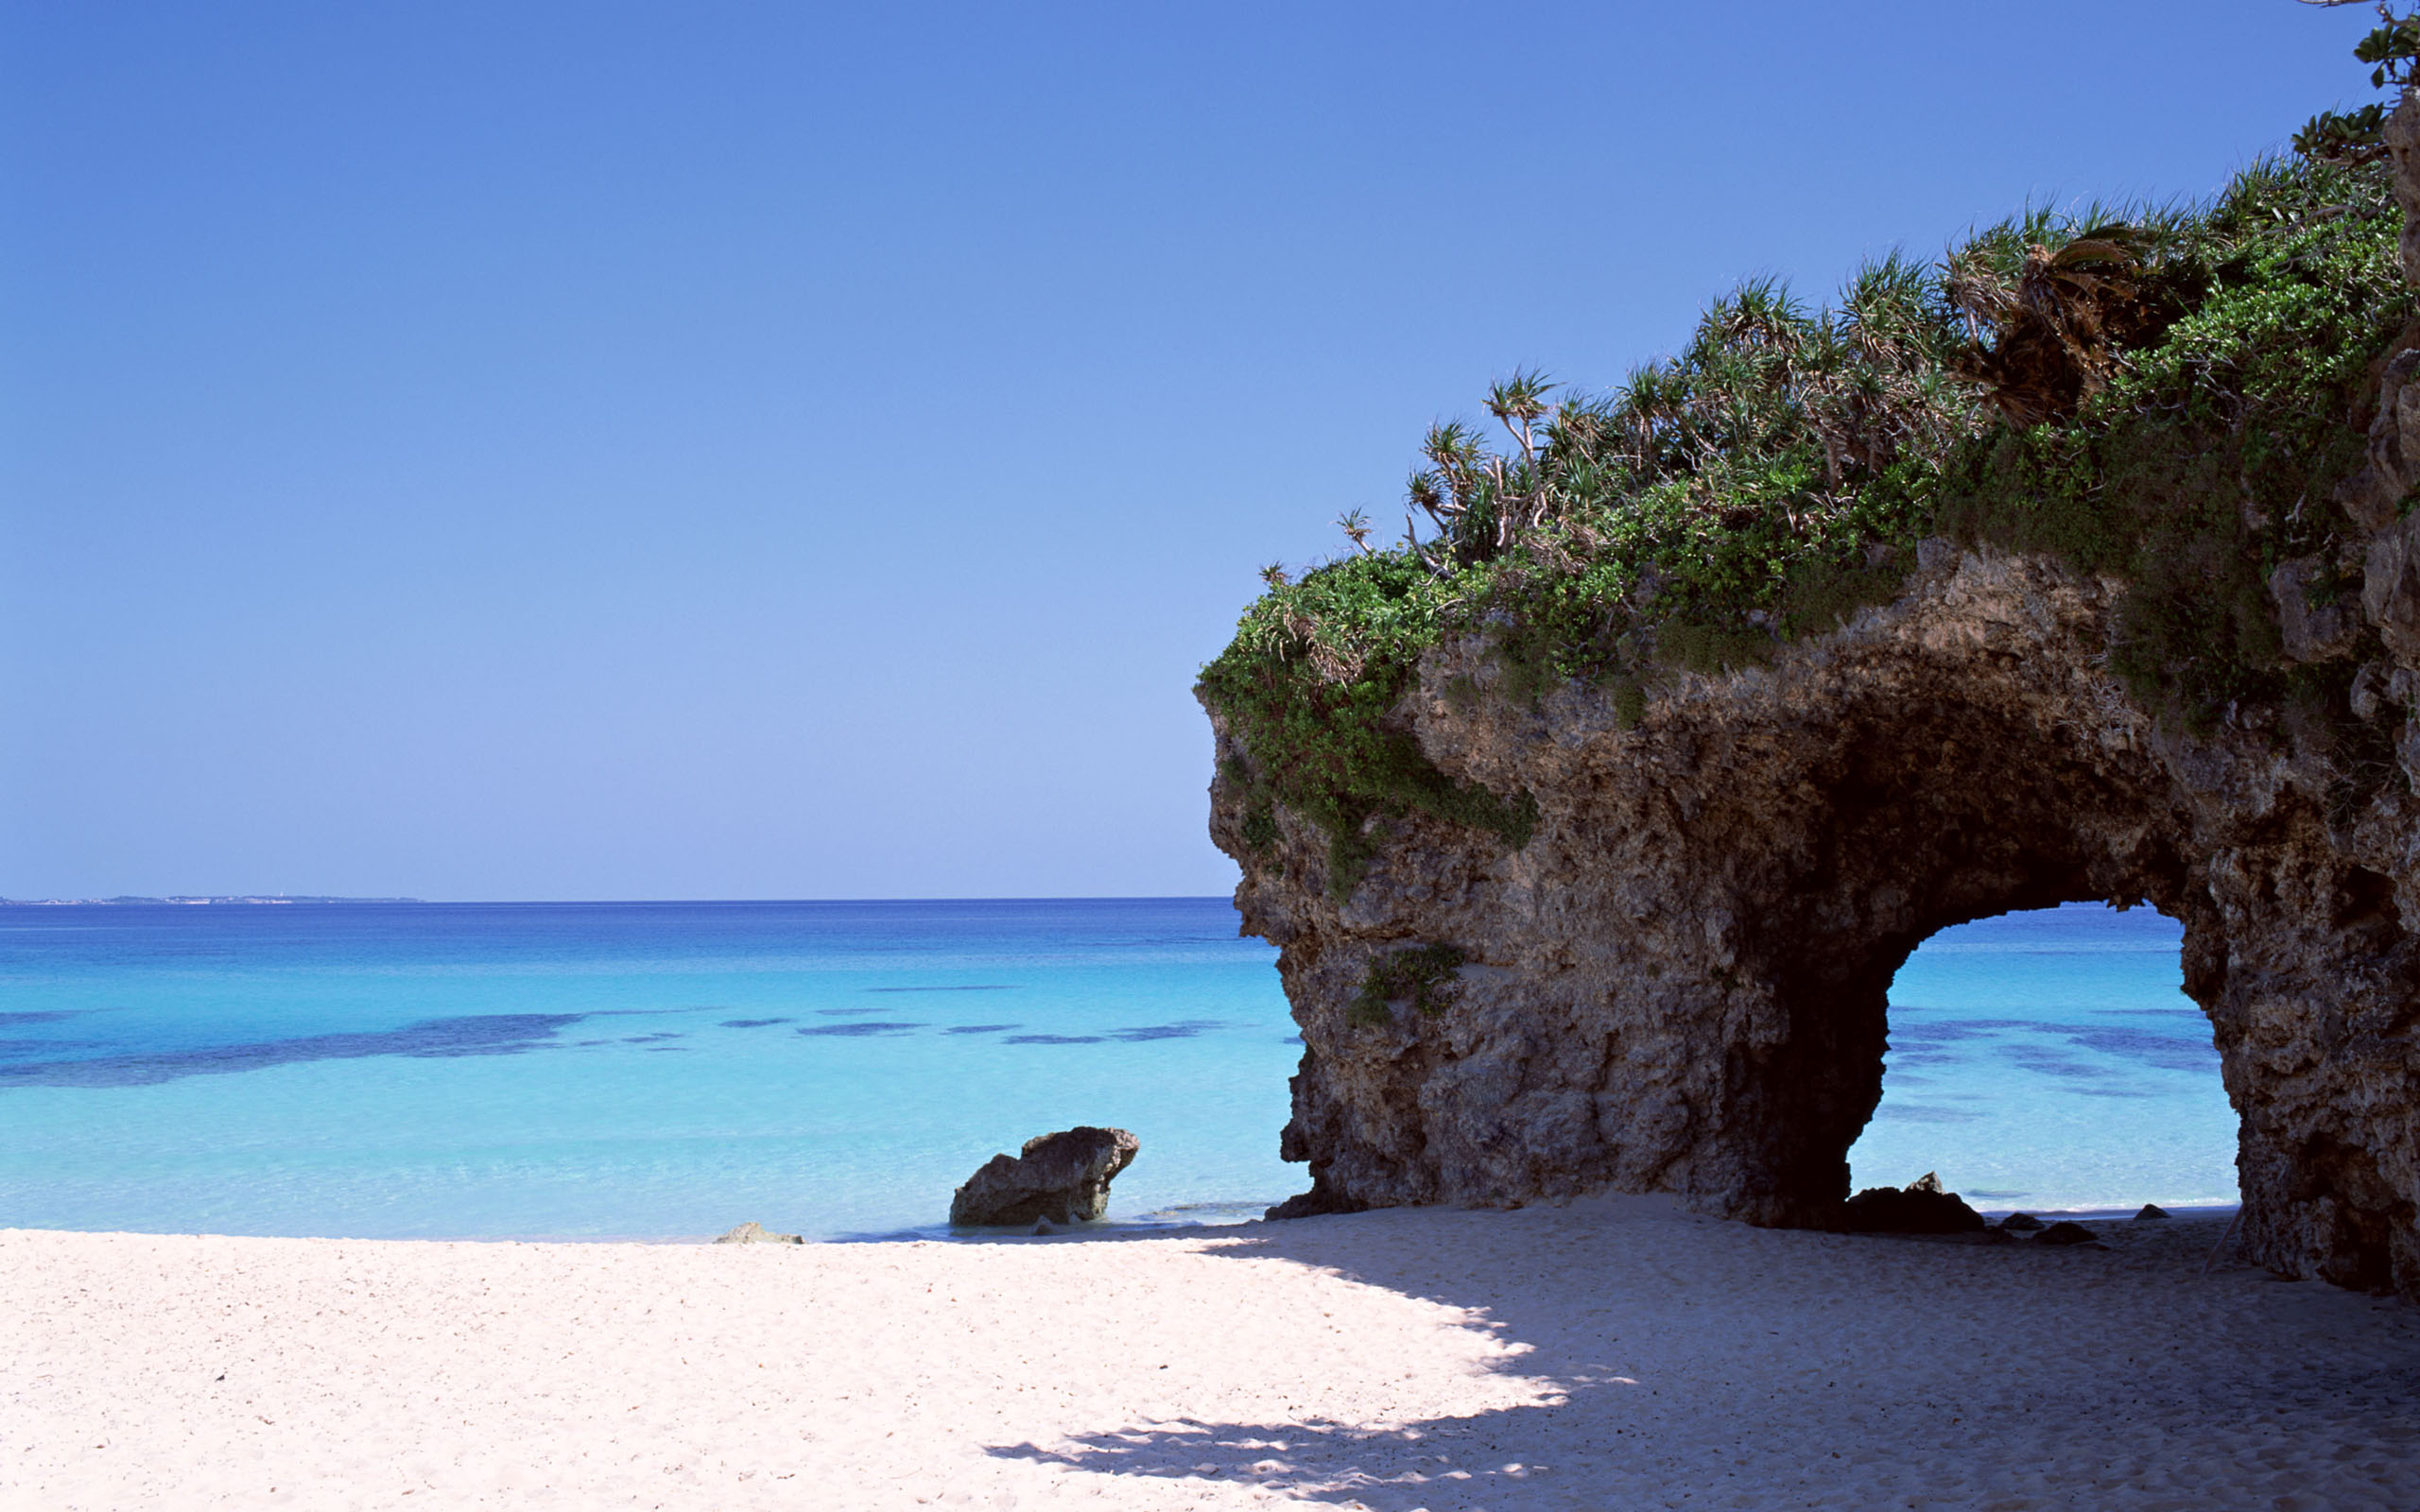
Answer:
(1678, 984)
(1903, 818)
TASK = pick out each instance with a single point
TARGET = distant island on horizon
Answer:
(249, 898)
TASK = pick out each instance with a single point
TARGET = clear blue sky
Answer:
(713, 450)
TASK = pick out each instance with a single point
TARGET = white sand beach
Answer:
(1609, 1354)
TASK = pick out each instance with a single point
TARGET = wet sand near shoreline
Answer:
(1612, 1353)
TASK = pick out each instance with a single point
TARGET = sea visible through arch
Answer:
(667, 1070)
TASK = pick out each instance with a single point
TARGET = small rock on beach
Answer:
(1061, 1177)
(1920, 1206)
(753, 1232)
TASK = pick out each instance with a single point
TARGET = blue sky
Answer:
(718, 450)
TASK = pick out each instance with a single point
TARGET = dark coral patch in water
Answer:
(499, 1033)
(1184, 1030)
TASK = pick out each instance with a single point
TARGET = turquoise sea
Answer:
(834, 1069)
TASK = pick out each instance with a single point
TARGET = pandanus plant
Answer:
(1761, 384)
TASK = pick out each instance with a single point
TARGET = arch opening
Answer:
(1924, 817)
(2049, 1060)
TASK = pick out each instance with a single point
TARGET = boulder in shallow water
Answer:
(1061, 1177)
(2065, 1233)
(1919, 1208)
(2020, 1223)
(753, 1232)
(2150, 1210)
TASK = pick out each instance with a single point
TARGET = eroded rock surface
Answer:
(1678, 984)
(1061, 1177)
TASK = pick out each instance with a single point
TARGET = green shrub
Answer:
(2206, 374)
(2213, 454)
(1422, 974)
(1309, 689)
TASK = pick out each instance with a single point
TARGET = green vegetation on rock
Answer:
(1312, 708)
(2166, 396)
(2212, 453)
(1421, 975)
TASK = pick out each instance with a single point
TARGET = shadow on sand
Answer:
(1681, 1361)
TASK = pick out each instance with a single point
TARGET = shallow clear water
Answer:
(662, 1069)
(619, 1068)
(2051, 1059)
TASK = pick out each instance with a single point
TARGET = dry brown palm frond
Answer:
(1305, 637)
(2058, 328)
(1980, 294)
(1333, 664)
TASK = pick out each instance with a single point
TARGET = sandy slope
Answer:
(1606, 1355)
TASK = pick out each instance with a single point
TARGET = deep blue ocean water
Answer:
(669, 1070)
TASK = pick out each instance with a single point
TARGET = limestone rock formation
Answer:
(753, 1232)
(1676, 983)
(2402, 137)
(1061, 1177)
